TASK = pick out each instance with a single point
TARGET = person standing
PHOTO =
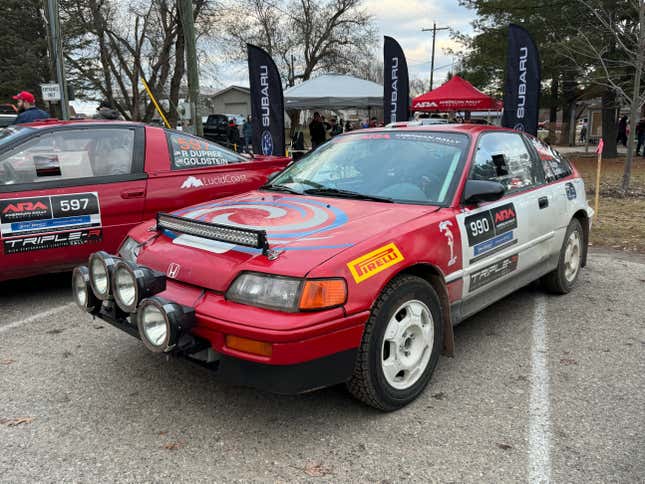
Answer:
(622, 131)
(640, 136)
(247, 132)
(317, 131)
(336, 128)
(233, 135)
(27, 109)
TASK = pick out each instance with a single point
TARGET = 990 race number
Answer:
(480, 227)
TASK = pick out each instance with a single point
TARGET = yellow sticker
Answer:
(378, 260)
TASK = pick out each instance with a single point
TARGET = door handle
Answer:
(126, 194)
(543, 202)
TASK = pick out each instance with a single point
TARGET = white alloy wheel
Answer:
(407, 344)
(572, 256)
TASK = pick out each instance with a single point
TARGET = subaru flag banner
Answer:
(522, 89)
(396, 93)
(267, 103)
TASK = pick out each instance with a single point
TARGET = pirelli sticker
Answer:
(378, 260)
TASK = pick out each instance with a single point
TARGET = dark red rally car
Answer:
(68, 189)
(353, 264)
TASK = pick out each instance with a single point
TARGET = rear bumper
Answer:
(289, 379)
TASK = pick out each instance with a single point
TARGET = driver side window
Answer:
(69, 154)
(503, 157)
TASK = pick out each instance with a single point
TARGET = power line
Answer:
(434, 30)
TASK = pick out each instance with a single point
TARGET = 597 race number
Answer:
(77, 204)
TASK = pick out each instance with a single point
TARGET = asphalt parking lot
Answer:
(542, 388)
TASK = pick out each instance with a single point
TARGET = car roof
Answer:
(465, 128)
(52, 122)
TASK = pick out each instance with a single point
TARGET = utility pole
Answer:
(188, 24)
(56, 52)
(434, 30)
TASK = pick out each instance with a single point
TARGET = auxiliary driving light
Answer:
(83, 295)
(101, 266)
(131, 283)
(162, 322)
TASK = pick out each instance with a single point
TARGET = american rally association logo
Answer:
(372, 263)
(287, 221)
(267, 143)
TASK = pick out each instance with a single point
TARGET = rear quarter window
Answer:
(555, 165)
(190, 152)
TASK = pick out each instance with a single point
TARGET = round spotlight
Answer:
(101, 267)
(83, 295)
(124, 287)
(131, 283)
(161, 323)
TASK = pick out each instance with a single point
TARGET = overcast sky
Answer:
(404, 19)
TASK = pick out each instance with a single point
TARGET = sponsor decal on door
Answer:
(493, 272)
(27, 223)
(491, 230)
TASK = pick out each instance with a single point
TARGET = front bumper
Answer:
(288, 379)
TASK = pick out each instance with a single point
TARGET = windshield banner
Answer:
(522, 88)
(267, 103)
(396, 95)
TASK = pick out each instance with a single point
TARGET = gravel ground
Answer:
(96, 406)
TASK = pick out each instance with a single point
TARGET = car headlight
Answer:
(161, 323)
(132, 283)
(101, 265)
(83, 295)
(287, 293)
(129, 249)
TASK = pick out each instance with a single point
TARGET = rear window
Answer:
(189, 152)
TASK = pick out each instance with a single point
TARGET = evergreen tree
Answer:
(23, 48)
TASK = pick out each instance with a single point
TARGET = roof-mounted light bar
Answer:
(222, 233)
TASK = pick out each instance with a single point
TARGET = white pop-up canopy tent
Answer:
(334, 91)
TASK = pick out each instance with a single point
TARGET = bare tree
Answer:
(303, 36)
(110, 48)
(619, 63)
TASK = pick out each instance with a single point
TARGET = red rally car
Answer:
(353, 264)
(68, 189)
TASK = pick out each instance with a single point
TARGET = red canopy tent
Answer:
(456, 94)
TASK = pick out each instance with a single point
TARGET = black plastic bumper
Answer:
(282, 379)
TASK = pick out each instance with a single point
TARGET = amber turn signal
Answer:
(246, 345)
(323, 293)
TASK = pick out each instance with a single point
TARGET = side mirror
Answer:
(477, 191)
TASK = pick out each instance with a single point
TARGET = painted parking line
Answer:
(36, 317)
(539, 452)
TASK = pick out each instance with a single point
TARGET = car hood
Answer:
(303, 232)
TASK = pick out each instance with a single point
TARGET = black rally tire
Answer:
(368, 382)
(555, 281)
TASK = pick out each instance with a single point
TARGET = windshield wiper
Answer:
(280, 188)
(335, 192)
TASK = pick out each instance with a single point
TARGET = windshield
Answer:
(11, 133)
(402, 166)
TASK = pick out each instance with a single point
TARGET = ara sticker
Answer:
(372, 263)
